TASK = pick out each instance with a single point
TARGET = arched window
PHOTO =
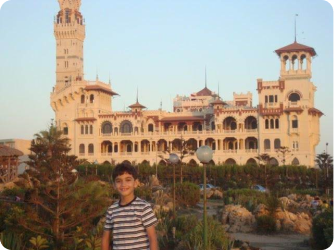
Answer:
(106, 128)
(294, 97)
(267, 124)
(266, 144)
(303, 62)
(150, 127)
(295, 162)
(294, 122)
(86, 129)
(91, 129)
(230, 145)
(294, 62)
(126, 127)
(91, 148)
(272, 123)
(82, 148)
(82, 129)
(67, 16)
(91, 98)
(82, 98)
(286, 63)
(213, 126)
(273, 162)
(277, 123)
(277, 143)
(65, 129)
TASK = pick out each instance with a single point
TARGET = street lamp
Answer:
(204, 155)
(95, 163)
(173, 159)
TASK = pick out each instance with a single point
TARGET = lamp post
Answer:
(326, 168)
(173, 159)
(204, 155)
(95, 163)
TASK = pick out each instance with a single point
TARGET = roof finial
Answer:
(296, 28)
(218, 92)
(205, 75)
(97, 74)
(109, 79)
(137, 94)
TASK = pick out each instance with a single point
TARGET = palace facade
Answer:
(236, 130)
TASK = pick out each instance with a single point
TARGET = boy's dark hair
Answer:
(124, 168)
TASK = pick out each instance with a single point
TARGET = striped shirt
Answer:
(128, 224)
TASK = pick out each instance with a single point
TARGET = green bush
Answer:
(144, 192)
(265, 224)
(272, 203)
(322, 229)
(187, 194)
(248, 198)
(193, 237)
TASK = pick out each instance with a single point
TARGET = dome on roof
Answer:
(296, 47)
(204, 92)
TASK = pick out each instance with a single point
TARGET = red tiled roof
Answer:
(182, 118)
(204, 92)
(8, 151)
(100, 88)
(295, 47)
(85, 119)
(315, 111)
(137, 105)
(218, 101)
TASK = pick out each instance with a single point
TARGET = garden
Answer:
(60, 202)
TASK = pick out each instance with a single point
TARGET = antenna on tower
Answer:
(296, 28)
(205, 75)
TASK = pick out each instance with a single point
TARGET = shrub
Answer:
(265, 224)
(322, 229)
(144, 192)
(193, 238)
(187, 194)
(272, 203)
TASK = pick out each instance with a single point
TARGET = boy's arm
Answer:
(105, 240)
(152, 236)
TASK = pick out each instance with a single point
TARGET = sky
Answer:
(162, 48)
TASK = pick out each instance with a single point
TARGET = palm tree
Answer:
(264, 159)
(325, 162)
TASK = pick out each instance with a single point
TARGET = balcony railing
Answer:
(251, 150)
(178, 133)
(125, 153)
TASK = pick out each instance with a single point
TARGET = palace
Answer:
(236, 130)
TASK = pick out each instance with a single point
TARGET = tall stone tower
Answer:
(69, 31)
(77, 102)
(287, 114)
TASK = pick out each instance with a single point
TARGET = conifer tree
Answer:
(59, 206)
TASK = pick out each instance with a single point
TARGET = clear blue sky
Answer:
(162, 47)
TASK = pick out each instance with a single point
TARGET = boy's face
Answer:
(125, 184)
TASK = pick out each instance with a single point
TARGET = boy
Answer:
(131, 219)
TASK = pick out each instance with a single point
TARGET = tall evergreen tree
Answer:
(60, 207)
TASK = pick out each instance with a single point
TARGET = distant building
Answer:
(236, 130)
(23, 146)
